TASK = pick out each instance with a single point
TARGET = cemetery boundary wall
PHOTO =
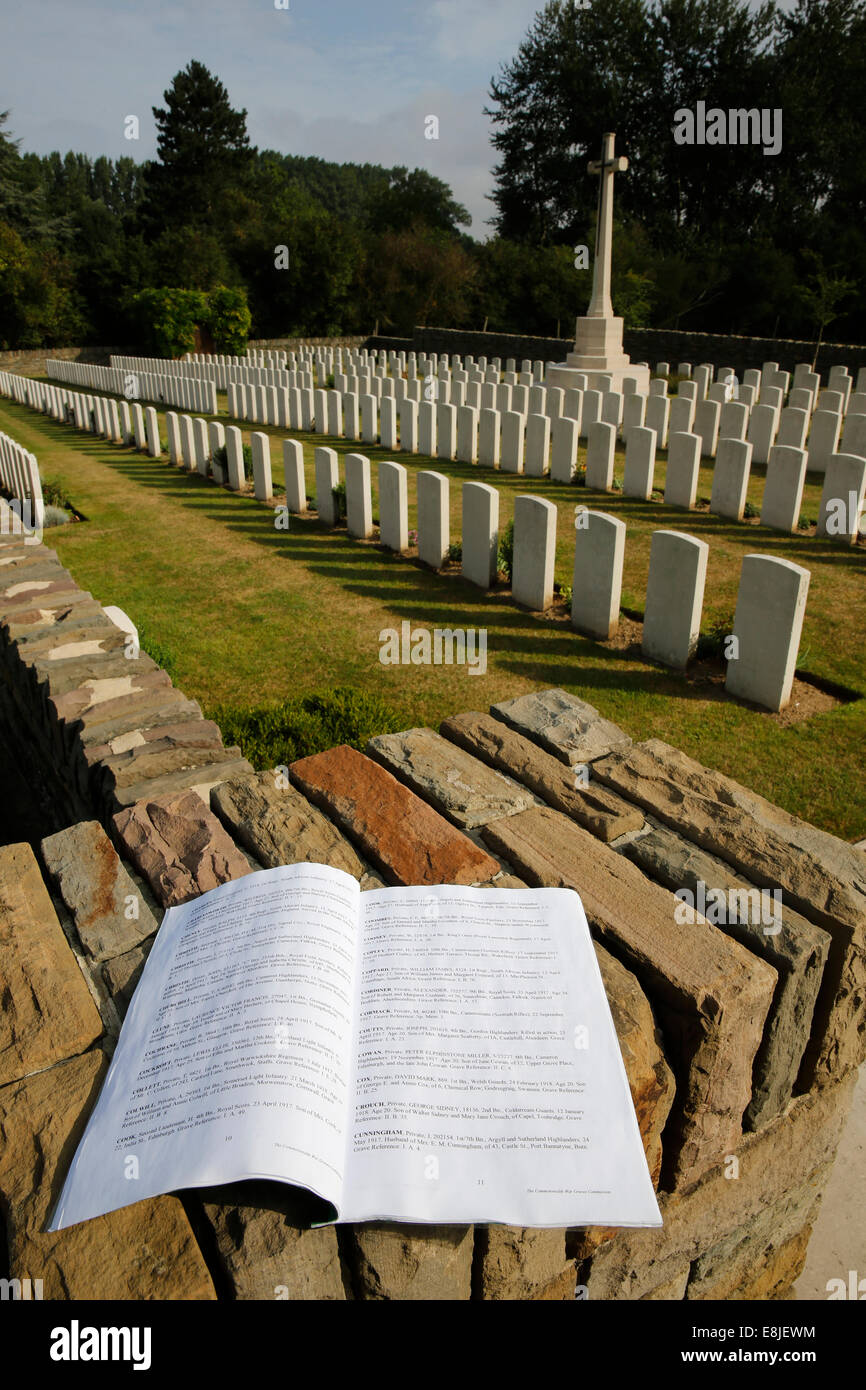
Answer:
(651, 345)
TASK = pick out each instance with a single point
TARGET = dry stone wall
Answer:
(740, 1048)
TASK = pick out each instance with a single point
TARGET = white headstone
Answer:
(537, 445)
(675, 597)
(534, 552)
(434, 520)
(823, 439)
(640, 462)
(446, 431)
(489, 438)
(513, 433)
(480, 534)
(706, 425)
(563, 450)
(783, 489)
(841, 514)
(293, 472)
(600, 455)
(771, 604)
(683, 470)
(467, 434)
(359, 496)
(599, 551)
(731, 479)
(327, 478)
(262, 481)
(393, 506)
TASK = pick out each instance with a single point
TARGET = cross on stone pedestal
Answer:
(600, 305)
(598, 360)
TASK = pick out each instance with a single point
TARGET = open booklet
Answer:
(429, 1054)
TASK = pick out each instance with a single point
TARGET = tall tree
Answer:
(203, 151)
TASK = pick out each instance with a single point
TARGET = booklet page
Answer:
(234, 1059)
(488, 1082)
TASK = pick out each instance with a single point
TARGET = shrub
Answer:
(56, 516)
(505, 556)
(339, 495)
(711, 644)
(228, 318)
(750, 510)
(54, 495)
(167, 319)
(455, 552)
(275, 735)
(804, 523)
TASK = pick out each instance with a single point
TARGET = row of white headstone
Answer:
(772, 595)
(771, 599)
(117, 421)
(19, 479)
(185, 392)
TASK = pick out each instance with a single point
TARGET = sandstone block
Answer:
(109, 910)
(567, 727)
(593, 807)
(710, 995)
(47, 1009)
(466, 791)
(795, 948)
(278, 825)
(400, 834)
(821, 877)
(143, 1252)
(266, 1255)
(793, 1150)
(179, 846)
(412, 1263)
(516, 1263)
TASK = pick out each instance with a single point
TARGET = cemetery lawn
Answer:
(251, 615)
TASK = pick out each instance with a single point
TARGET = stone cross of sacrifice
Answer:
(600, 306)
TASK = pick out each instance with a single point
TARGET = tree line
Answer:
(715, 239)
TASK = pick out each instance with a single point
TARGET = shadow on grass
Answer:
(543, 650)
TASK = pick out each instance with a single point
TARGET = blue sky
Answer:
(334, 78)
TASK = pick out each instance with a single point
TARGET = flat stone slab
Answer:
(178, 846)
(710, 995)
(465, 790)
(400, 834)
(280, 826)
(144, 712)
(110, 912)
(821, 877)
(567, 727)
(199, 747)
(198, 779)
(268, 1250)
(98, 709)
(35, 621)
(797, 951)
(47, 1010)
(515, 1263)
(594, 807)
(121, 974)
(649, 1077)
(186, 733)
(146, 1251)
(58, 677)
(399, 1262)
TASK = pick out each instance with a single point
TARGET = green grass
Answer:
(252, 616)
